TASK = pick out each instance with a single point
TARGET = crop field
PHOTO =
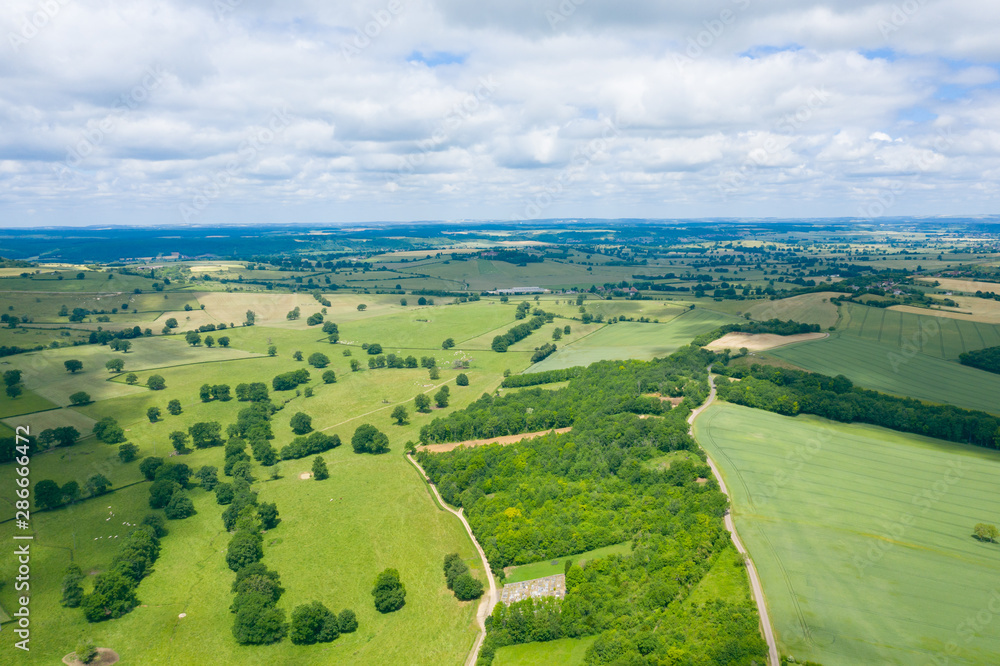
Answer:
(807, 309)
(891, 370)
(630, 340)
(962, 286)
(862, 536)
(969, 308)
(935, 336)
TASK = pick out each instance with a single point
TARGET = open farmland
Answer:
(935, 336)
(862, 536)
(808, 309)
(892, 370)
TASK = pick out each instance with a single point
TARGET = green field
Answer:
(565, 652)
(808, 309)
(935, 336)
(558, 566)
(862, 536)
(27, 402)
(627, 340)
(888, 369)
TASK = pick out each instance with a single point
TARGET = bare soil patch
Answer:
(760, 341)
(505, 440)
(105, 656)
(305, 475)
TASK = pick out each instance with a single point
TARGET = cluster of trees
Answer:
(219, 392)
(50, 495)
(985, 359)
(108, 431)
(332, 331)
(12, 383)
(114, 592)
(793, 392)
(252, 392)
(591, 487)
(369, 439)
(543, 352)
(311, 444)
(521, 331)
(169, 479)
(459, 580)
(536, 378)
(394, 361)
(289, 380)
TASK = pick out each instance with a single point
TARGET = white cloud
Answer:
(605, 109)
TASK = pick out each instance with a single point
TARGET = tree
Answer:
(399, 413)
(156, 524)
(982, 531)
(174, 407)
(224, 341)
(272, 350)
(179, 507)
(80, 398)
(448, 343)
(348, 621)
(244, 548)
(259, 624)
(313, 623)
(374, 349)
(209, 341)
(97, 484)
(13, 391)
(441, 397)
(329, 377)
(124, 346)
(243, 470)
(161, 492)
(192, 338)
(65, 435)
(319, 360)
(171, 323)
(362, 307)
(434, 373)
(113, 596)
(389, 592)
(85, 652)
(149, 465)
(209, 477)
(70, 492)
(268, 514)
(251, 318)
(462, 379)
(369, 439)
(156, 383)
(319, 469)
(73, 365)
(12, 377)
(115, 365)
(48, 494)
(220, 392)
(301, 423)
(153, 414)
(466, 587)
(355, 365)
(297, 355)
(128, 452)
(224, 493)
(422, 402)
(72, 591)
(205, 434)
(179, 440)
(131, 379)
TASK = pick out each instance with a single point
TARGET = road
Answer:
(489, 599)
(755, 586)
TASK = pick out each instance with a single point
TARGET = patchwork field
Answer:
(862, 536)
(626, 340)
(889, 369)
(932, 335)
(807, 309)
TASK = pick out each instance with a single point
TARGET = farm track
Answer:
(755, 586)
(489, 600)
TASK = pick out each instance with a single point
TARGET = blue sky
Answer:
(257, 111)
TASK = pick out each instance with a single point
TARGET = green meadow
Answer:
(558, 566)
(863, 536)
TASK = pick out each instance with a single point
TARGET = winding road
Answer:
(755, 586)
(490, 599)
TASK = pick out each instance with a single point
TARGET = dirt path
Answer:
(489, 599)
(755, 586)
(503, 440)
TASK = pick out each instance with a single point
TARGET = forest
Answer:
(793, 392)
(985, 359)
(592, 487)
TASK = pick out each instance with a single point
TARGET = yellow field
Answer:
(970, 286)
(969, 308)
(760, 341)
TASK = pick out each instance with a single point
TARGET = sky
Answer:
(248, 111)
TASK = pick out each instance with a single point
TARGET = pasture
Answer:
(862, 536)
(892, 370)
(936, 336)
(565, 652)
(557, 566)
(631, 340)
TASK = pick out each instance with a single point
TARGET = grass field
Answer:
(558, 566)
(886, 368)
(862, 536)
(27, 402)
(626, 340)
(565, 652)
(932, 335)
(807, 309)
